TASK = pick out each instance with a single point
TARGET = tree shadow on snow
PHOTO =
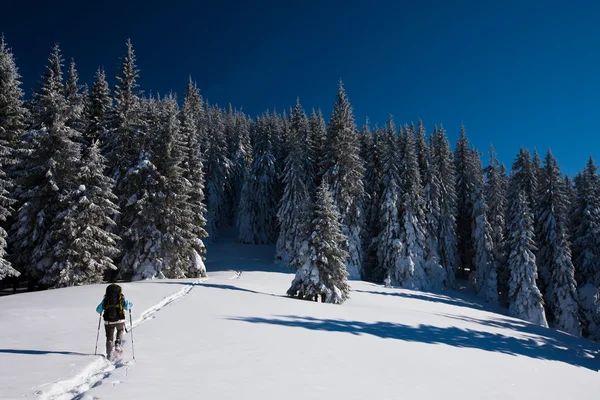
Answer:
(431, 297)
(41, 352)
(558, 347)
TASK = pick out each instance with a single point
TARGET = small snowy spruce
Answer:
(323, 274)
(525, 299)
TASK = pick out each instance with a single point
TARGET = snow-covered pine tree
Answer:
(465, 173)
(296, 180)
(193, 172)
(442, 165)
(372, 151)
(218, 170)
(413, 223)
(75, 100)
(323, 275)
(523, 178)
(343, 168)
(438, 275)
(525, 299)
(495, 195)
(12, 121)
(554, 252)
(126, 139)
(98, 110)
(421, 149)
(389, 247)
(13, 113)
(586, 249)
(242, 158)
(46, 177)
(485, 267)
(49, 102)
(85, 247)
(316, 142)
(257, 220)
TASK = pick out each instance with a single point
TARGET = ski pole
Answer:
(98, 334)
(131, 328)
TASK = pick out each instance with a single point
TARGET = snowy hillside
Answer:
(237, 336)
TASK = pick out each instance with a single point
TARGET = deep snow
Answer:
(236, 335)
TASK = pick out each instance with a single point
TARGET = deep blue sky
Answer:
(517, 73)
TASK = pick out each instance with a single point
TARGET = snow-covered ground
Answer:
(237, 336)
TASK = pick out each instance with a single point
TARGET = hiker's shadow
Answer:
(41, 352)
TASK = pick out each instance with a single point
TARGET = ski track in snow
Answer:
(99, 370)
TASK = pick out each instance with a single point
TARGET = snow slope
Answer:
(236, 335)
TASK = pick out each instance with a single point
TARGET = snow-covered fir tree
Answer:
(389, 247)
(485, 267)
(218, 173)
(85, 247)
(554, 252)
(465, 177)
(586, 249)
(495, 196)
(442, 165)
(257, 222)
(343, 168)
(75, 100)
(241, 158)
(316, 142)
(193, 172)
(296, 180)
(12, 121)
(47, 176)
(372, 152)
(525, 299)
(421, 149)
(523, 178)
(432, 191)
(323, 275)
(98, 110)
(413, 223)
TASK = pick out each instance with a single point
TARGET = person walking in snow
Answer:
(114, 305)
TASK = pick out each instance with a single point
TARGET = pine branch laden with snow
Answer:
(554, 252)
(525, 299)
(323, 275)
(296, 180)
(485, 268)
(343, 168)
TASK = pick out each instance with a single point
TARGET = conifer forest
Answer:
(103, 182)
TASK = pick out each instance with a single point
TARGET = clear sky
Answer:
(517, 73)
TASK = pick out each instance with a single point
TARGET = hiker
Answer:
(114, 305)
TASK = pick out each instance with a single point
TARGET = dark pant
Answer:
(110, 336)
